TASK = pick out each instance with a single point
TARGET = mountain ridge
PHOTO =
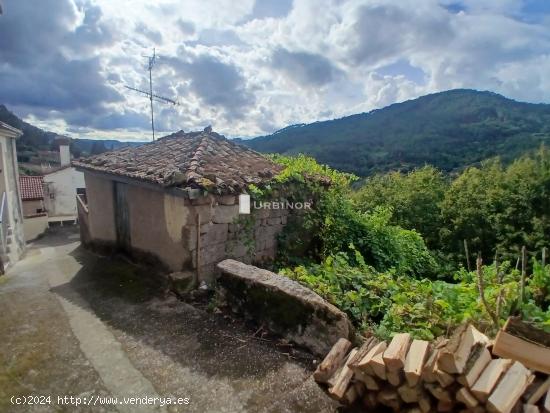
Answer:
(35, 139)
(450, 129)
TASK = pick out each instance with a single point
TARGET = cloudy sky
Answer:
(250, 67)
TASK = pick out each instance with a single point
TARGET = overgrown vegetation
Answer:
(492, 207)
(389, 302)
(366, 253)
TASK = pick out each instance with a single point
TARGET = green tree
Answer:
(414, 198)
(470, 210)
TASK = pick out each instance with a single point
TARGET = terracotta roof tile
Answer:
(204, 160)
(31, 187)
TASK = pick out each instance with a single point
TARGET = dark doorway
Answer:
(122, 216)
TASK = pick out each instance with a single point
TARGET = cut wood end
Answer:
(395, 354)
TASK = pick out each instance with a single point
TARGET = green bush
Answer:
(388, 302)
(334, 223)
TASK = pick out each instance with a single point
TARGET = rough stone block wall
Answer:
(224, 233)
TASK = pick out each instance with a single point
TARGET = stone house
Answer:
(176, 201)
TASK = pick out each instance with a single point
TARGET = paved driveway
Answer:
(76, 324)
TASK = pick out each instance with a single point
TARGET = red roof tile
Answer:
(31, 187)
(204, 160)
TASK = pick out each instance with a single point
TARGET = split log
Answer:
(425, 403)
(489, 378)
(530, 408)
(390, 399)
(510, 389)
(547, 403)
(343, 379)
(370, 400)
(445, 406)
(332, 361)
(464, 396)
(355, 391)
(395, 354)
(394, 377)
(332, 379)
(428, 373)
(414, 361)
(455, 354)
(365, 364)
(522, 342)
(479, 359)
(439, 392)
(378, 366)
(363, 350)
(538, 392)
(478, 409)
(444, 379)
(369, 381)
(409, 394)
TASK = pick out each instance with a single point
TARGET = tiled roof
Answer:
(204, 160)
(31, 187)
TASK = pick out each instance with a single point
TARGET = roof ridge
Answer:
(194, 163)
(202, 159)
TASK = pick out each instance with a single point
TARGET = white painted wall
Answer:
(60, 191)
(9, 183)
(64, 155)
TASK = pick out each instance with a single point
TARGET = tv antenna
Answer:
(152, 96)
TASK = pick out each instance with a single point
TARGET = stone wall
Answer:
(164, 225)
(227, 234)
(284, 306)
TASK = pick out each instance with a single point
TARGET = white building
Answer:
(12, 240)
(61, 186)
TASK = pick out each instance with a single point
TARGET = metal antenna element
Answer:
(152, 96)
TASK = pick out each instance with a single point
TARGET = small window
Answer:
(81, 191)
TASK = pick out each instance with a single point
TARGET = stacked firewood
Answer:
(461, 374)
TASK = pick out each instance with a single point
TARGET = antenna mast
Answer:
(151, 63)
(150, 93)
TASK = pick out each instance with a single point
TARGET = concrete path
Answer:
(75, 324)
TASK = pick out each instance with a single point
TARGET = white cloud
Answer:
(250, 67)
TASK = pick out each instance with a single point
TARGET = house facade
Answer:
(12, 240)
(61, 185)
(35, 217)
(175, 201)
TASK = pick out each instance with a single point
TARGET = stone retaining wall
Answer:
(284, 306)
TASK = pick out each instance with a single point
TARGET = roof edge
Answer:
(9, 131)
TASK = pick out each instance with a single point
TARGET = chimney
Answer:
(64, 154)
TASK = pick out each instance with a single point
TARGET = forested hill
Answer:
(32, 137)
(35, 139)
(449, 130)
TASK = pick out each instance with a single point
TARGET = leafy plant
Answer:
(334, 223)
(389, 302)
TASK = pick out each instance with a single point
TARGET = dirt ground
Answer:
(76, 324)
